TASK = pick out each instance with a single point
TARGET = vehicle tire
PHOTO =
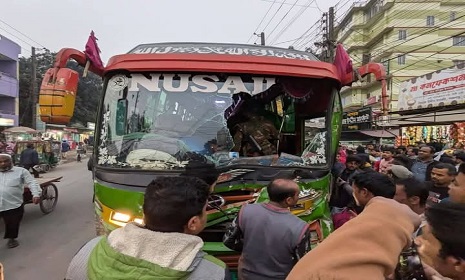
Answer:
(99, 228)
(47, 167)
(49, 198)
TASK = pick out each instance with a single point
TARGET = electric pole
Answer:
(331, 38)
(32, 97)
(262, 38)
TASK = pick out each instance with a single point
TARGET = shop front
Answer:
(358, 129)
(432, 109)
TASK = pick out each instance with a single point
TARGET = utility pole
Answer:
(262, 38)
(331, 38)
(33, 98)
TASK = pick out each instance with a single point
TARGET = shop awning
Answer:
(389, 133)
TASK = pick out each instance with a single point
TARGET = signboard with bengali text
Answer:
(441, 88)
(357, 120)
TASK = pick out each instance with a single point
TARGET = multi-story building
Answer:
(410, 37)
(9, 84)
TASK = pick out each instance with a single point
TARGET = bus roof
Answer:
(226, 58)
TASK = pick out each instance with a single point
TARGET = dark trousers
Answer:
(30, 166)
(12, 218)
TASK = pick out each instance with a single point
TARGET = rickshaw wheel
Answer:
(49, 198)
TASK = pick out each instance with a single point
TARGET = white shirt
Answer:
(12, 183)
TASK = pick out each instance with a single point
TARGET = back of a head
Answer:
(205, 171)
(402, 159)
(389, 149)
(414, 187)
(446, 159)
(170, 202)
(30, 146)
(447, 223)
(280, 189)
(360, 150)
(460, 155)
(354, 158)
(376, 183)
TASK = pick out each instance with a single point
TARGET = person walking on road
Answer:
(29, 158)
(64, 148)
(12, 182)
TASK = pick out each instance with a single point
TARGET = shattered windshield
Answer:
(164, 121)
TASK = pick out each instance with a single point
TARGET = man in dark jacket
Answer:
(30, 158)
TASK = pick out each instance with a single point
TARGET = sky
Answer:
(120, 25)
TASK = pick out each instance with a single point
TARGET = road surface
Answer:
(48, 242)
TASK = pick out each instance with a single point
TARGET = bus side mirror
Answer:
(121, 116)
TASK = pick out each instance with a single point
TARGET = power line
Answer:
(292, 21)
(427, 45)
(425, 58)
(269, 1)
(263, 18)
(273, 16)
(290, 9)
(16, 37)
(415, 37)
(32, 40)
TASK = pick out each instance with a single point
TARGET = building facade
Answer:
(410, 37)
(9, 84)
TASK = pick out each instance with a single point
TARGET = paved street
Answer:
(48, 242)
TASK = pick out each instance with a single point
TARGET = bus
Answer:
(167, 105)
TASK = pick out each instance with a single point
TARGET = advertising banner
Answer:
(442, 88)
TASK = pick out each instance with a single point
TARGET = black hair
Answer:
(447, 159)
(278, 190)
(460, 155)
(354, 158)
(448, 226)
(415, 150)
(403, 148)
(30, 145)
(389, 149)
(376, 183)
(204, 171)
(451, 170)
(403, 160)
(414, 187)
(360, 150)
(170, 202)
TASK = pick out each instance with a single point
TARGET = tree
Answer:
(87, 97)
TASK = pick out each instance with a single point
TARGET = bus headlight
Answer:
(139, 221)
(120, 217)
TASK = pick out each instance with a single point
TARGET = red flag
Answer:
(93, 52)
(344, 66)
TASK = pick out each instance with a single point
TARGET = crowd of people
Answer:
(396, 206)
(381, 208)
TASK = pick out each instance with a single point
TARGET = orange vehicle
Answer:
(165, 105)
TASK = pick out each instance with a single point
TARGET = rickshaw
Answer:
(47, 158)
(49, 197)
